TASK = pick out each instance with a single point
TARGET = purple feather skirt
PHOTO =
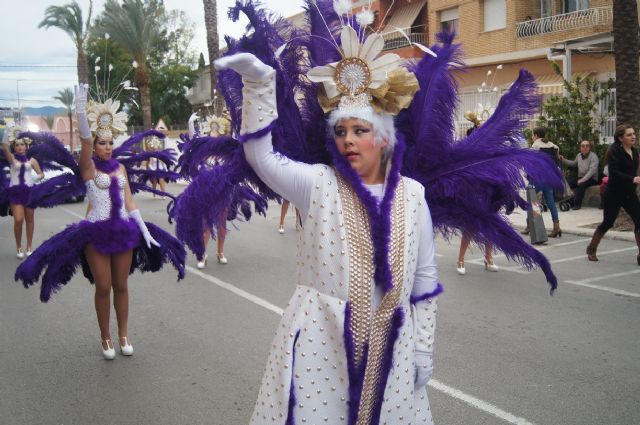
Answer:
(58, 258)
(19, 194)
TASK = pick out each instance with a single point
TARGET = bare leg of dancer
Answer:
(17, 211)
(283, 214)
(29, 214)
(100, 266)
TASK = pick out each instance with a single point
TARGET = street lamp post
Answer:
(18, 93)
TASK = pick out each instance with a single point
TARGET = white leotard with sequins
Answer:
(98, 194)
(14, 173)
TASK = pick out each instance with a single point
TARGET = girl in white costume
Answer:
(355, 343)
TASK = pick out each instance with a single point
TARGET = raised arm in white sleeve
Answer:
(290, 179)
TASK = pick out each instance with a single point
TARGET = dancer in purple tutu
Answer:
(113, 240)
(21, 180)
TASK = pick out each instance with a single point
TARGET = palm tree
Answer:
(136, 26)
(626, 44)
(213, 43)
(69, 19)
(66, 98)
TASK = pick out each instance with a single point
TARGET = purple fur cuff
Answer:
(257, 134)
(417, 298)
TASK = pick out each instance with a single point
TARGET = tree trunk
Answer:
(213, 44)
(627, 50)
(142, 81)
(70, 132)
(83, 69)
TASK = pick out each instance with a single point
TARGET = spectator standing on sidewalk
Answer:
(622, 160)
(546, 146)
(587, 163)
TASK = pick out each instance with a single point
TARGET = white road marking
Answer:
(584, 256)
(478, 404)
(588, 283)
(72, 213)
(433, 383)
(604, 288)
(541, 248)
(240, 292)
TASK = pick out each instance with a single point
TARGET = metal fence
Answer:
(469, 102)
(565, 22)
(396, 39)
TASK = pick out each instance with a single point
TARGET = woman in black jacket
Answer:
(623, 162)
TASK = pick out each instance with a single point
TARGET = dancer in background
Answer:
(113, 240)
(465, 240)
(21, 181)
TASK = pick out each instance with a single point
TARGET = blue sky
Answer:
(25, 44)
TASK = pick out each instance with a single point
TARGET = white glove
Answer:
(5, 135)
(192, 123)
(424, 328)
(246, 64)
(135, 215)
(80, 100)
(424, 368)
(259, 92)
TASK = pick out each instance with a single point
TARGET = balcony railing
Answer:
(396, 40)
(566, 22)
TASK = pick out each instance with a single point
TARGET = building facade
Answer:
(498, 38)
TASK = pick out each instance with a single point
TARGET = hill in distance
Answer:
(45, 111)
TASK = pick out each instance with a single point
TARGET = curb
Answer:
(615, 235)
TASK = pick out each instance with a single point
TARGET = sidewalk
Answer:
(572, 222)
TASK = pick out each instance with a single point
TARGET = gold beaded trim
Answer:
(361, 268)
(361, 258)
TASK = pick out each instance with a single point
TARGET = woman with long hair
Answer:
(621, 191)
(20, 184)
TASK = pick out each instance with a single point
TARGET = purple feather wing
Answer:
(133, 160)
(52, 155)
(470, 183)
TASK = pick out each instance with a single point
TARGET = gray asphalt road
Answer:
(506, 352)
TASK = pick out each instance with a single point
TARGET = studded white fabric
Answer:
(100, 199)
(314, 320)
(14, 173)
(259, 103)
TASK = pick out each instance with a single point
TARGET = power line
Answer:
(35, 79)
(35, 66)
(6, 99)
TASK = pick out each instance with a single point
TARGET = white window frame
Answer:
(450, 15)
(579, 5)
(495, 14)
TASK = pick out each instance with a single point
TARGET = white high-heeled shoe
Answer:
(20, 254)
(460, 268)
(221, 258)
(281, 229)
(202, 263)
(28, 253)
(125, 349)
(490, 266)
(109, 353)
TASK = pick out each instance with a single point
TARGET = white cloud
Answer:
(26, 44)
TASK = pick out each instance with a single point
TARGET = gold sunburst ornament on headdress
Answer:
(153, 143)
(216, 126)
(361, 78)
(14, 132)
(105, 121)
